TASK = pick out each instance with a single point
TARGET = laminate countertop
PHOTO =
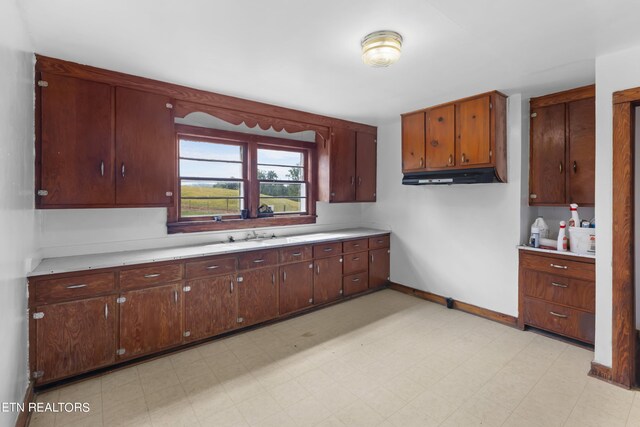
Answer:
(117, 259)
(551, 251)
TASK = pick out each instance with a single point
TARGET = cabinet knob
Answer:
(575, 167)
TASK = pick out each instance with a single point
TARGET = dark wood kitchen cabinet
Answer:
(76, 154)
(347, 167)
(379, 263)
(74, 337)
(210, 306)
(150, 320)
(296, 286)
(469, 133)
(145, 149)
(562, 148)
(257, 295)
(327, 281)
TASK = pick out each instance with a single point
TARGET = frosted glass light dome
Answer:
(381, 48)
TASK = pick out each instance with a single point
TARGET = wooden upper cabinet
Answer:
(473, 127)
(562, 148)
(464, 134)
(343, 165)
(547, 155)
(366, 158)
(582, 151)
(441, 138)
(75, 337)
(413, 141)
(145, 149)
(76, 152)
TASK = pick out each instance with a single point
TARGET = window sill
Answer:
(238, 224)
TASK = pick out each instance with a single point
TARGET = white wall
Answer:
(615, 71)
(83, 231)
(17, 217)
(458, 241)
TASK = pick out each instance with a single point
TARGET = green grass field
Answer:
(226, 206)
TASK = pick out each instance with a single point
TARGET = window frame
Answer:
(250, 144)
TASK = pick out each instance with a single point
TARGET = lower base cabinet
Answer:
(379, 267)
(327, 283)
(355, 283)
(296, 286)
(74, 337)
(257, 296)
(210, 306)
(150, 320)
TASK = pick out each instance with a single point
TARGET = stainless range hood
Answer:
(459, 176)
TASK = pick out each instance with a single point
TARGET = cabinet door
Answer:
(441, 137)
(75, 337)
(76, 150)
(145, 149)
(413, 139)
(327, 283)
(474, 137)
(343, 165)
(150, 320)
(582, 151)
(547, 155)
(210, 306)
(257, 296)
(366, 157)
(296, 286)
(379, 267)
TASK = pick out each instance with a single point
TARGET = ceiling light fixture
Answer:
(381, 48)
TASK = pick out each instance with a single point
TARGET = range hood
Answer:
(453, 176)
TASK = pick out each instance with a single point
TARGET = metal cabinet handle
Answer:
(296, 254)
(82, 285)
(318, 269)
(151, 276)
(106, 311)
(175, 296)
(102, 168)
(357, 245)
(559, 285)
(575, 167)
(353, 180)
(421, 161)
(371, 258)
(563, 267)
(380, 241)
(258, 261)
(284, 276)
(231, 286)
(562, 316)
(464, 158)
(560, 166)
(450, 159)
(327, 249)
(213, 267)
(357, 258)
(122, 170)
(359, 180)
(273, 278)
(357, 279)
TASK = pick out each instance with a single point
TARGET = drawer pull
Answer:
(258, 261)
(357, 245)
(562, 267)
(296, 254)
(357, 279)
(559, 285)
(562, 316)
(327, 249)
(82, 285)
(213, 267)
(357, 258)
(151, 276)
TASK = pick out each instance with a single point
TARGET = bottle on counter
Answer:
(575, 219)
(534, 241)
(562, 237)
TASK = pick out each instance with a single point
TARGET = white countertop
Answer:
(117, 259)
(551, 251)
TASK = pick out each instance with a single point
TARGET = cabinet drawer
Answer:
(379, 242)
(560, 290)
(297, 253)
(356, 262)
(212, 267)
(558, 266)
(355, 245)
(561, 320)
(55, 290)
(355, 283)
(141, 277)
(257, 259)
(327, 250)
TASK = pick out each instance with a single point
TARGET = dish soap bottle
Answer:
(562, 237)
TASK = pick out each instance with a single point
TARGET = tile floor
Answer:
(386, 359)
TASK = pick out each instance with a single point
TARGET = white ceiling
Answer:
(306, 54)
